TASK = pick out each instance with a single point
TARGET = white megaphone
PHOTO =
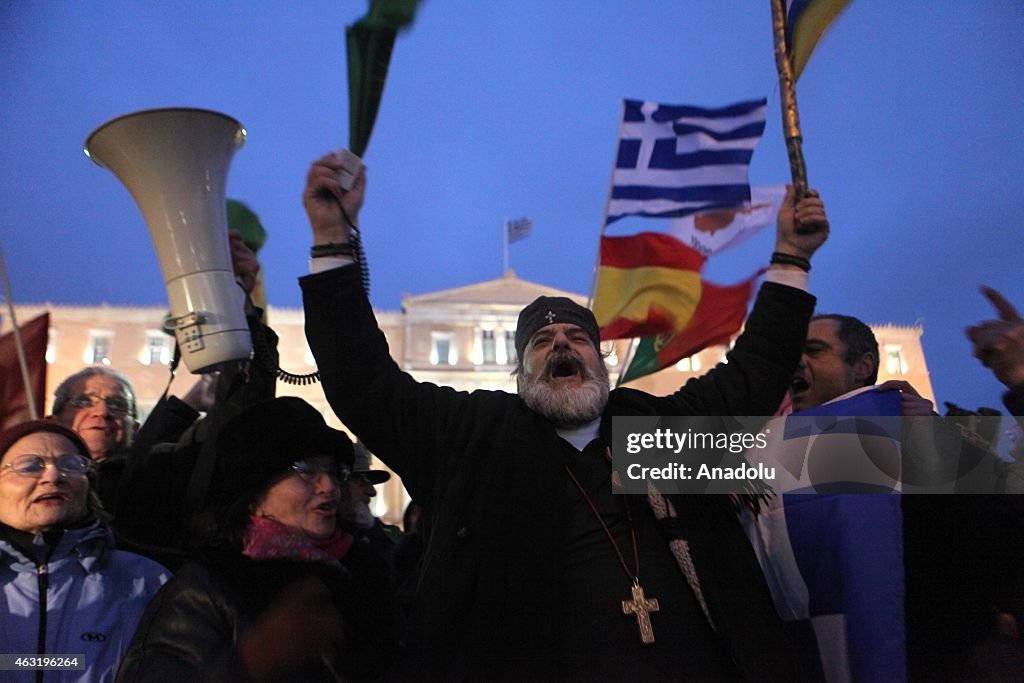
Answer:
(174, 163)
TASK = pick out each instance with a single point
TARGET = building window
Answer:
(611, 356)
(489, 347)
(379, 506)
(691, 364)
(98, 350)
(51, 345)
(895, 364)
(158, 348)
(442, 348)
(510, 347)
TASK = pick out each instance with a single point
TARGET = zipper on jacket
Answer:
(44, 583)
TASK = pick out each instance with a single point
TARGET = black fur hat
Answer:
(261, 444)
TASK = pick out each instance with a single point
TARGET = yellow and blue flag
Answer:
(806, 21)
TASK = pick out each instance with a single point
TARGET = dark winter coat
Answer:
(483, 466)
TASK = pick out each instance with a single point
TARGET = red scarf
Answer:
(267, 539)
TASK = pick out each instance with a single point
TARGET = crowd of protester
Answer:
(229, 536)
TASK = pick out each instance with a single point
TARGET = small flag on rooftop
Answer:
(518, 229)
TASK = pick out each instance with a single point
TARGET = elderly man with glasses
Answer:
(98, 404)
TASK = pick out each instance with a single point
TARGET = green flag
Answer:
(369, 42)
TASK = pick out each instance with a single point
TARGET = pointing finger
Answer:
(1003, 307)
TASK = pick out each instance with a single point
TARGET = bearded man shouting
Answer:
(534, 570)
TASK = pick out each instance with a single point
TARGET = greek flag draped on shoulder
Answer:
(834, 562)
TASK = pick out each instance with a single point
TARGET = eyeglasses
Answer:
(29, 465)
(117, 405)
(310, 471)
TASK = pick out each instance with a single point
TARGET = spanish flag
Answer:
(718, 317)
(648, 283)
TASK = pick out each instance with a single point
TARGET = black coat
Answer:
(483, 466)
(191, 629)
(167, 474)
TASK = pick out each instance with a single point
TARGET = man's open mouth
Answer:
(566, 366)
(798, 385)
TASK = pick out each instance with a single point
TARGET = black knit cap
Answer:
(550, 310)
(261, 444)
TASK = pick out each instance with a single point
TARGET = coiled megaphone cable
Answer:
(359, 260)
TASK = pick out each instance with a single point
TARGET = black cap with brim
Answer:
(362, 466)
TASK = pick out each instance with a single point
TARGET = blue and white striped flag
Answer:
(517, 229)
(674, 160)
(834, 562)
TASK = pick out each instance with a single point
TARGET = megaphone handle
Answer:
(172, 367)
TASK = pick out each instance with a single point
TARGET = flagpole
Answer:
(787, 96)
(607, 205)
(504, 242)
(627, 359)
(22, 360)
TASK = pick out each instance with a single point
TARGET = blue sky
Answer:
(911, 114)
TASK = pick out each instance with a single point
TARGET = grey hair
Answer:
(63, 394)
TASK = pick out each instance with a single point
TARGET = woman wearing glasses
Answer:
(68, 599)
(277, 590)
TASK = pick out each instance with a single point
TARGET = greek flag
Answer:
(834, 562)
(517, 229)
(675, 160)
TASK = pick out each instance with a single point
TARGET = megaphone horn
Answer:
(174, 163)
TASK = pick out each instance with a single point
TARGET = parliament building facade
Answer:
(461, 337)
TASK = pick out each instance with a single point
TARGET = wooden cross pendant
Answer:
(642, 608)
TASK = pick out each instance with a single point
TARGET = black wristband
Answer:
(791, 260)
(332, 249)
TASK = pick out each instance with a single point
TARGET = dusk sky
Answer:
(912, 114)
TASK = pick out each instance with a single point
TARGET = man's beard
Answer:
(566, 406)
(354, 515)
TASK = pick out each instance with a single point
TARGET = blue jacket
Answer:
(85, 598)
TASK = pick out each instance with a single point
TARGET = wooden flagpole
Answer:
(504, 243)
(787, 96)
